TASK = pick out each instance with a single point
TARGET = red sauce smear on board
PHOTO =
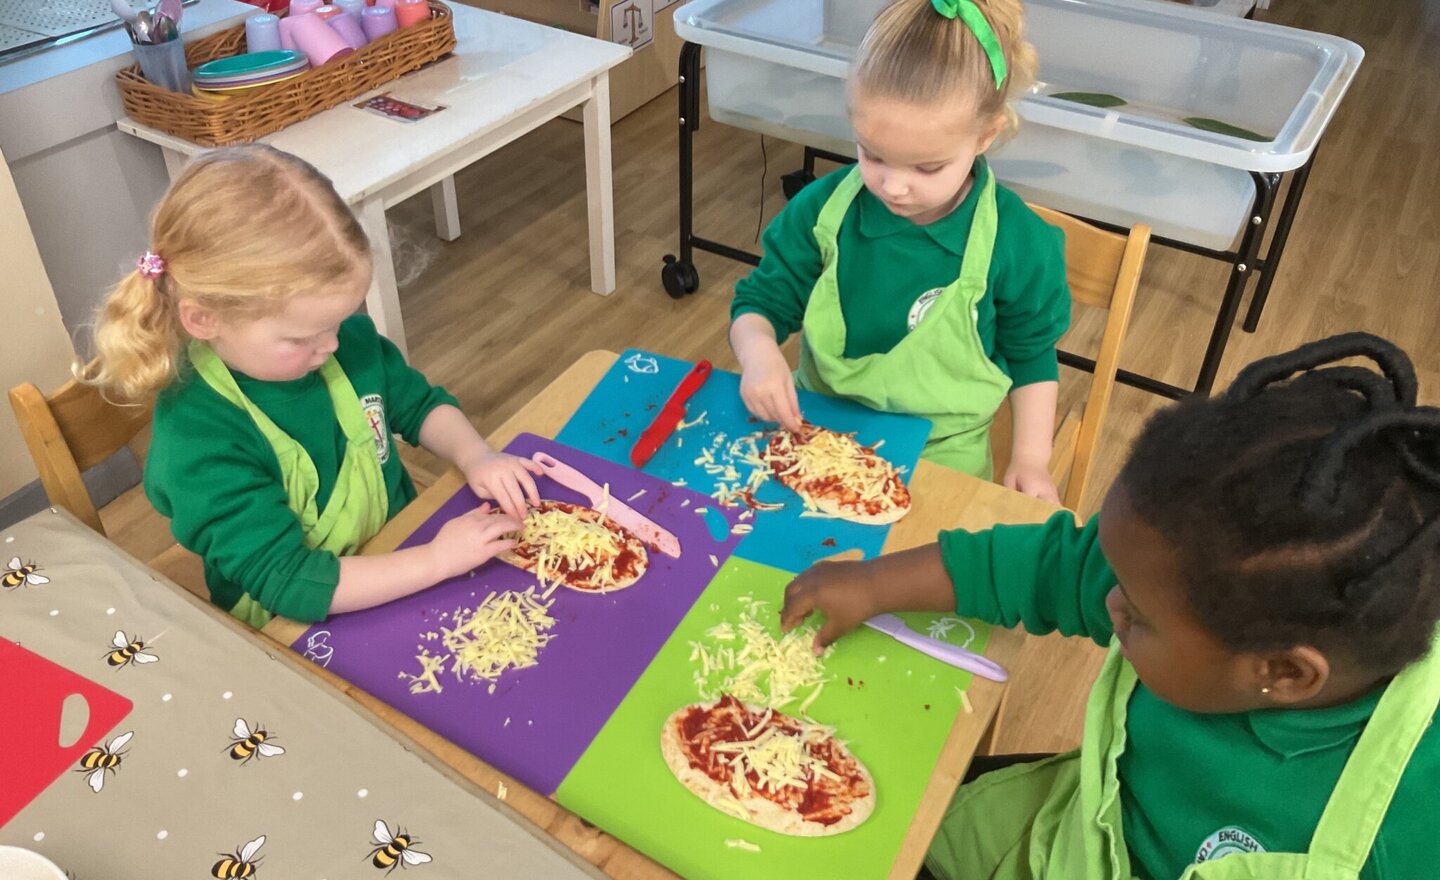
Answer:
(822, 800)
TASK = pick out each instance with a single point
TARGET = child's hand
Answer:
(768, 389)
(469, 541)
(508, 479)
(1033, 479)
(845, 592)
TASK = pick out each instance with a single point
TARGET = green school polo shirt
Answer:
(213, 473)
(1193, 786)
(887, 263)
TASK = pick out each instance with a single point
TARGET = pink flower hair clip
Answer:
(151, 266)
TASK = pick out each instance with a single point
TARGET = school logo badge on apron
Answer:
(1227, 841)
(922, 307)
(375, 416)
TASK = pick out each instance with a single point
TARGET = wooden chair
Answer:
(75, 429)
(1103, 270)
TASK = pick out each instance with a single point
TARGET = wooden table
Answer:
(506, 78)
(942, 499)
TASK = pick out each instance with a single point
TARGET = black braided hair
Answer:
(1304, 503)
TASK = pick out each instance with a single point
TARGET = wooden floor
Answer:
(500, 312)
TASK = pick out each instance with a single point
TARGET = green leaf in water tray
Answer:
(1093, 99)
(1218, 127)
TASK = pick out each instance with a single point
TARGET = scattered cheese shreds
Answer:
(820, 454)
(744, 658)
(714, 560)
(965, 702)
(501, 790)
(506, 631)
(636, 495)
(747, 846)
(565, 538)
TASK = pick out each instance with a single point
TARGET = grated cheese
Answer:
(818, 454)
(636, 495)
(777, 758)
(736, 843)
(566, 542)
(965, 702)
(505, 632)
(743, 658)
(501, 790)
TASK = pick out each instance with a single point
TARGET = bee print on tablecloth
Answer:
(104, 759)
(248, 744)
(394, 851)
(127, 651)
(239, 864)
(17, 575)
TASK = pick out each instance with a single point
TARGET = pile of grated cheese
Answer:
(567, 543)
(777, 759)
(747, 661)
(825, 454)
(506, 631)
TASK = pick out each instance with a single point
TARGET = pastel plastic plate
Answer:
(248, 65)
(212, 91)
(252, 77)
(251, 80)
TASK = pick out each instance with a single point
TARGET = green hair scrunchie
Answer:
(974, 19)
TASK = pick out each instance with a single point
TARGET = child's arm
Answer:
(506, 478)
(766, 384)
(464, 543)
(770, 302)
(1048, 577)
(1032, 440)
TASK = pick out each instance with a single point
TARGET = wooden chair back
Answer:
(71, 431)
(1103, 271)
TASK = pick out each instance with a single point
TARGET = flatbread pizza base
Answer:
(762, 812)
(635, 544)
(832, 506)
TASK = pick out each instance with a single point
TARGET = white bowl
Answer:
(22, 864)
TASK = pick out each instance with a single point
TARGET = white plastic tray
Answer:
(782, 62)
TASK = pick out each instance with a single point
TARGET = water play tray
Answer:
(1231, 92)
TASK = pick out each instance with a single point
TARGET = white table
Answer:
(506, 78)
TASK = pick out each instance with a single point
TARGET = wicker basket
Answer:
(262, 110)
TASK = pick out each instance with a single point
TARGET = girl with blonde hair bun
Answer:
(275, 403)
(919, 284)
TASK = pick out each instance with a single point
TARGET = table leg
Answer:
(447, 209)
(383, 299)
(598, 193)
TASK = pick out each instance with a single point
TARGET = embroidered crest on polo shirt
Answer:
(375, 417)
(1227, 842)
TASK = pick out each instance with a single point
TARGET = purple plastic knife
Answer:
(954, 655)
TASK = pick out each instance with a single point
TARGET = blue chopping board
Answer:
(629, 396)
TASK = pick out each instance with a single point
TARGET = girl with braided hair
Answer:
(1266, 574)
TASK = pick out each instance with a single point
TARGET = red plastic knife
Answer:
(670, 415)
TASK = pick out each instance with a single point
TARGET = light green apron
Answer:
(359, 503)
(939, 370)
(1060, 818)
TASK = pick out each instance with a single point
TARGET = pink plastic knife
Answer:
(622, 513)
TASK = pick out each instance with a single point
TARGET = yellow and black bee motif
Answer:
(394, 850)
(241, 863)
(248, 744)
(104, 759)
(22, 575)
(127, 651)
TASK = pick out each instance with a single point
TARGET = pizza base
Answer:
(833, 506)
(632, 543)
(762, 812)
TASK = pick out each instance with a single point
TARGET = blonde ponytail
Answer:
(138, 339)
(240, 231)
(913, 53)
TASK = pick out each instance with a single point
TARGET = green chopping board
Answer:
(895, 713)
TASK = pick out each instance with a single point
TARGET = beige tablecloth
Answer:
(180, 799)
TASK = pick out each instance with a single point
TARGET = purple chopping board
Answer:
(540, 720)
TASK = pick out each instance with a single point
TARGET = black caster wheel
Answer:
(679, 278)
(795, 181)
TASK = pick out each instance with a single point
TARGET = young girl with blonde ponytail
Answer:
(275, 403)
(919, 284)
